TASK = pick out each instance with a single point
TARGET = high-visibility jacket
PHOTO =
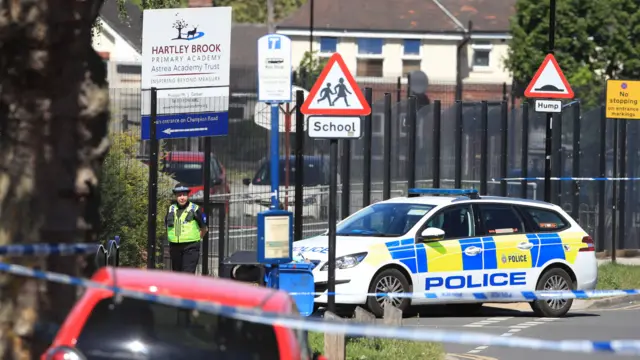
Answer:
(185, 228)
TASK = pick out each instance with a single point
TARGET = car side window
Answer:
(500, 219)
(545, 220)
(216, 169)
(456, 222)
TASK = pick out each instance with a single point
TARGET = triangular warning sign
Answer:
(549, 82)
(336, 92)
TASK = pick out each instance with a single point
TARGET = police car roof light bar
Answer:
(471, 193)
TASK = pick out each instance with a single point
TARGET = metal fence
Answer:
(240, 175)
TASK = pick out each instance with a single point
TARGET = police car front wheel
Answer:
(388, 281)
(553, 279)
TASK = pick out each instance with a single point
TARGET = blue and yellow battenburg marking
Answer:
(451, 255)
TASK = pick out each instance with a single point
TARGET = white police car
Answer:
(460, 243)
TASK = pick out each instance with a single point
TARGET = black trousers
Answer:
(184, 256)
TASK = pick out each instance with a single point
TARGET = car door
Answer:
(548, 229)
(454, 263)
(508, 259)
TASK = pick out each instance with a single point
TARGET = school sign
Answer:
(186, 55)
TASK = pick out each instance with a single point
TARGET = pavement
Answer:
(621, 261)
(588, 320)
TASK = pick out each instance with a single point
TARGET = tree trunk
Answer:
(53, 137)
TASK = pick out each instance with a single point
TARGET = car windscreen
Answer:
(136, 329)
(315, 173)
(188, 173)
(384, 219)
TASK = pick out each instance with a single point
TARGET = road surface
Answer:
(613, 323)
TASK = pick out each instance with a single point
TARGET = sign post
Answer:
(549, 82)
(186, 59)
(622, 103)
(274, 87)
(336, 103)
(275, 226)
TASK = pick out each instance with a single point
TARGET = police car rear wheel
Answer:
(388, 281)
(558, 280)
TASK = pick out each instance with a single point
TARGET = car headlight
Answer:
(347, 261)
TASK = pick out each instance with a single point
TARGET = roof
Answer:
(199, 288)
(427, 200)
(375, 15)
(128, 27)
(444, 200)
(245, 37)
(487, 15)
(433, 16)
(244, 56)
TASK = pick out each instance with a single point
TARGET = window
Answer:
(369, 67)
(128, 69)
(328, 45)
(456, 222)
(316, 172)
(191, 173)
(481, 53)
(385, 219)
(136, 329)
(480, 58)
(545, 220)
(410, 65)
(368, 46)
(500, 219)
(412, 47)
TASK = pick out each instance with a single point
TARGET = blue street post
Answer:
(275, 154)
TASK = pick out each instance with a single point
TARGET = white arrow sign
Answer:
(170, 131)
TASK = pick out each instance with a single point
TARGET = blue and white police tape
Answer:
(568, 178)
(48, 249)
(255, 315)
(490, 296)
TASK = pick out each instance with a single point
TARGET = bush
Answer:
(382, 349)
(124, 199)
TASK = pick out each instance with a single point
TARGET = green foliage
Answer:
(251, 11)
(382, 349)
(154, 4)
(618, 276)
(309, 69)
(595, 39)
(123, 192)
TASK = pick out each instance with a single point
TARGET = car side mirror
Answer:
(247, 182)
(217, 181)
(432, 234)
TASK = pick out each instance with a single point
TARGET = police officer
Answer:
(186, 225)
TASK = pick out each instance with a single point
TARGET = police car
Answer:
(453, 240)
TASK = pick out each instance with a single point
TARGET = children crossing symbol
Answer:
(340, 91)
(336, 92)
